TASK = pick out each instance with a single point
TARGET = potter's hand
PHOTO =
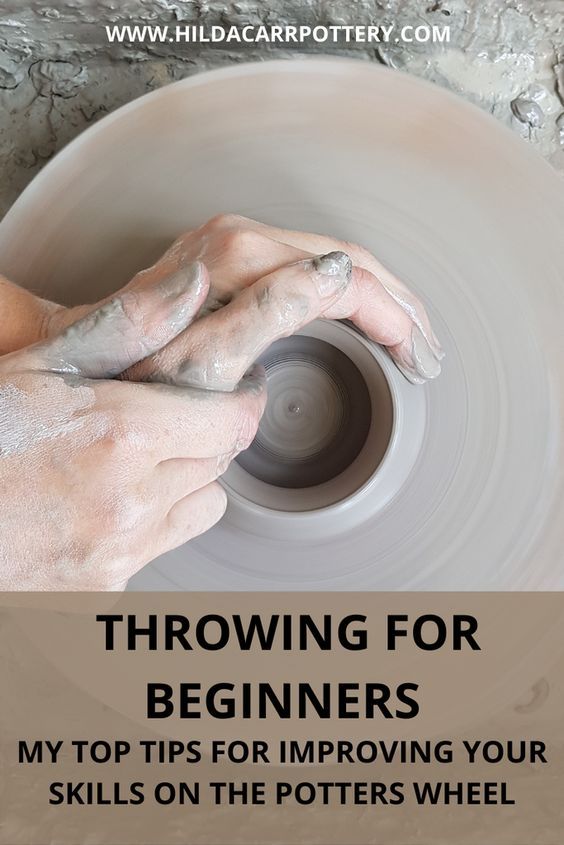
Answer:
(217, 349)
(379, 303)
(99, 476)
(103, 476)
(238, 251)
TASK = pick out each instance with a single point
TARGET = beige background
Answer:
(60, 683)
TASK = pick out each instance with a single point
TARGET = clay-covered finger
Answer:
(127, 328)
(245, 254)
(219, 348)
(413, 306)
(418, 356)
(368, 304)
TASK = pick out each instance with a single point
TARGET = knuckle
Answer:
(108, 448)
(211, 371)
(362, 256)
(284, 307)
(231, 241)
(130, 302)
(122, 437)
(239, 243)
(121, 512)
(221, 222)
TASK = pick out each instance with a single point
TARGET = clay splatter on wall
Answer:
(58, 73)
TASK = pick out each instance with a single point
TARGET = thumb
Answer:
(127, 328)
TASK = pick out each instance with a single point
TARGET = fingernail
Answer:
(332, 272)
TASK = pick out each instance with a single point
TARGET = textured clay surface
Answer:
(58, 73)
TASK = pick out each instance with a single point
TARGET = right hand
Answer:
(100, 476)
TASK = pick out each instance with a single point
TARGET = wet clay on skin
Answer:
(275, 307)
(104, 474)
(435, 191)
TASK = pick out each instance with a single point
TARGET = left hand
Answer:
(239, 251)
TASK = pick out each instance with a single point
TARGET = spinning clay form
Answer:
(357, 479)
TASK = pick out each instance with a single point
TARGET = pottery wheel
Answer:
(358, 480)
